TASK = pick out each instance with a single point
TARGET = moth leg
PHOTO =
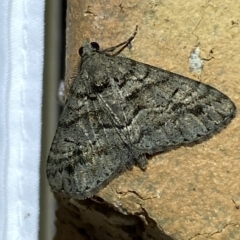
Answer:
(142, 161)
(61, 93)
(123, 45)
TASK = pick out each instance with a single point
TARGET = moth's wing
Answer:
(86, 152)
(162, 109)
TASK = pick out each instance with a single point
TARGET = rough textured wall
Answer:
(188, 193)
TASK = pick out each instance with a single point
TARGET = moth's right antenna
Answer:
(122, 45)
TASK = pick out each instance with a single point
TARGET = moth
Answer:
(118, 110)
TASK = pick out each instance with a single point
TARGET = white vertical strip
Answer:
(21, 108)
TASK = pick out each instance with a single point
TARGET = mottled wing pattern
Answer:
(87, 151)
(162, 109)
(118, 111)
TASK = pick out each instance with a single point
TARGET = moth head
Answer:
(88, 48)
